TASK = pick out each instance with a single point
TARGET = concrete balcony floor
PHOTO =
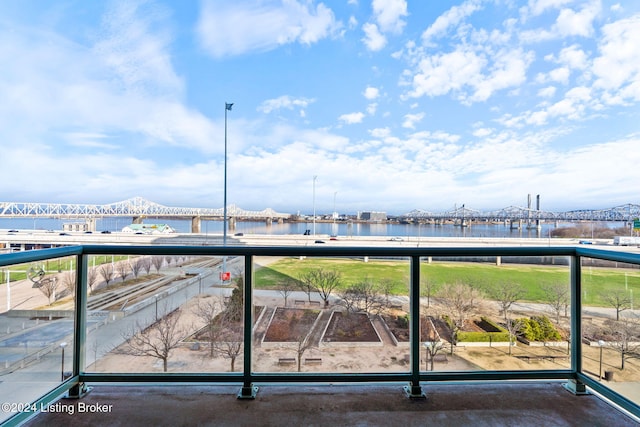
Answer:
(451, 404)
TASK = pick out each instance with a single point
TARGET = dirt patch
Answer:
(290, 324)
(399, 327)
(350, 327)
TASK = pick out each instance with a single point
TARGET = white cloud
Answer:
(617, 68)
(568, 23)
(449, 19)
(373, 39)
(284, 101)
(547, 92)
(410, 120)
(461, 71)
(388, 14)
(372, 108)
(573, 57)
(537, 7)
(572, 23)
(380, 132)
(371, 93)
(234, 28)
(351, 118)
(482, 132)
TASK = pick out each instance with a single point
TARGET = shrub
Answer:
(483, 336)
(539, 328)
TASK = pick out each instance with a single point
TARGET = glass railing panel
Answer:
(330, 315)
(495, 313)
(37, 315)
(611, 324)
(161, 313)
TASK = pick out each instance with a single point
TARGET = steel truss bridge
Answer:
(626, 213)
(136, 207)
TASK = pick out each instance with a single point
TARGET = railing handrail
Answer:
(414, 255)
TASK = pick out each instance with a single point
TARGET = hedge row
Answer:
(482, 336)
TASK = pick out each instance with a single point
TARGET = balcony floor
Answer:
(470, 404)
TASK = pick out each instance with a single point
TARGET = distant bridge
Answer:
(625, 213)
(138, 208)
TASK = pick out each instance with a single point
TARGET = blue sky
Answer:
(393, 105)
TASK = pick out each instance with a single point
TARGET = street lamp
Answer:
(314, 204)
(227, 107)
(62, 346)
(601, 344)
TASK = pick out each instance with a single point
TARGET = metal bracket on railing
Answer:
(576, 387)
(249, 392)
(78, 391)
(414, 392)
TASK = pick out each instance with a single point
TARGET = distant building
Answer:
(148, 229)
(372, 216)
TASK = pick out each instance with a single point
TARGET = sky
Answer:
(345, 105)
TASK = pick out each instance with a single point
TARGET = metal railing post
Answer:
(413, 390)
(248, 391)
(575, 385)
(80, 326)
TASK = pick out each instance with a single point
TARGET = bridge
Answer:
(625, 213)
(138, 208)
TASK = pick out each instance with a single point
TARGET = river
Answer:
(320, 228)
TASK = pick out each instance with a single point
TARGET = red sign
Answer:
(224, 276)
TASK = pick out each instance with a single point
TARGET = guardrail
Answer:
(576, 378)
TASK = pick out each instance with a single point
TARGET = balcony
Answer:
(143, 316)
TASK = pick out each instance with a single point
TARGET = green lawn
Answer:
(596, 281)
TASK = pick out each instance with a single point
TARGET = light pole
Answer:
(601, 344)
(227, 107)
(314, 203)
(8, 273)
(62, 346)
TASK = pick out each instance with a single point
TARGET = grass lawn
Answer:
(595, 281)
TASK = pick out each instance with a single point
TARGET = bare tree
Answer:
(157, 340)
(307, 287)
(145, 262)
(323, 281)
(514, 328)
(557, 297)
(286, 289)
(624, 337)
(157, 262)
(303, 344)
(460, 301)
(123, 270)
(618, 299)
(136, 267)
(92, 277)
(69, 282)
(48, 287)
(427, 287)
(386, 286)
(106, 271)
(506, 294)
(363, 295)
(208, 310)
(168, 258)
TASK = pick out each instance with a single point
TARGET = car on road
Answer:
(396, 239)
(333, 237)
(105, 232)
(64, 234)
(319, 241)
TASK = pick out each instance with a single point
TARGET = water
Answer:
(321, 228)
